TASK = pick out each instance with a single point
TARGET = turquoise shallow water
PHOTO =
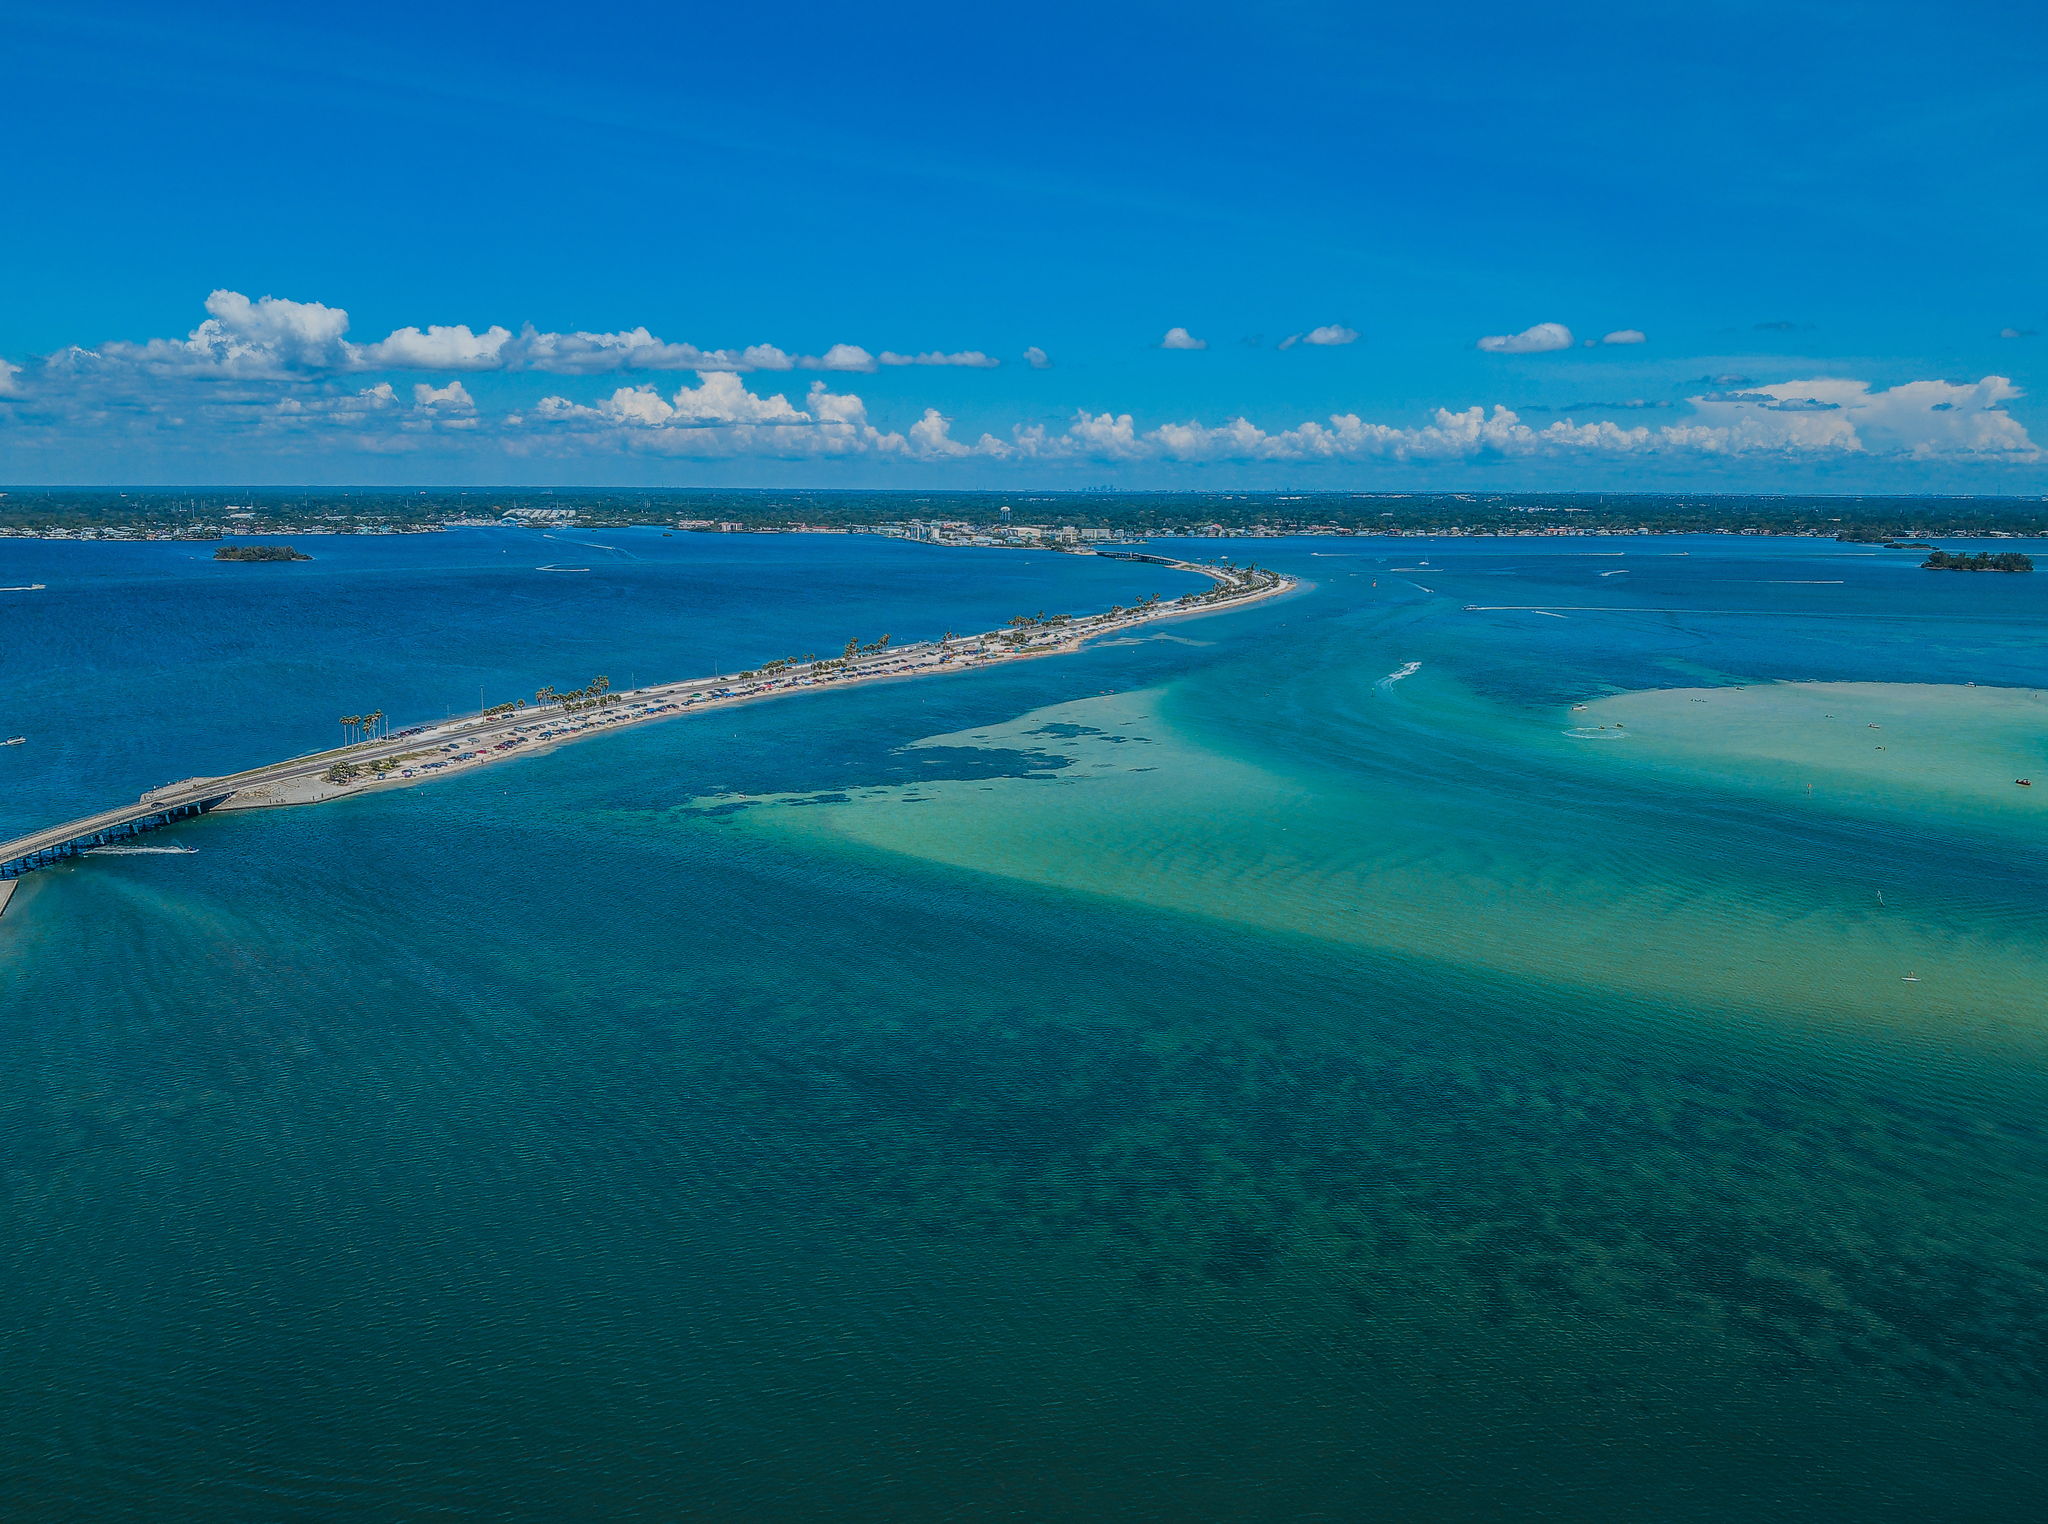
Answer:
(1208, 1081)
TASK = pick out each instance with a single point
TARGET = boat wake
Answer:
(140, 851)
(1406, 669)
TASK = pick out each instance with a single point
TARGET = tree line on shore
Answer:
(337, 510)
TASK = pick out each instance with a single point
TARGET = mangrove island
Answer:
(2005, 561)
(259, 553)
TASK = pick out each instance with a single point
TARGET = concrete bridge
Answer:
(195, 796)
(181, 801)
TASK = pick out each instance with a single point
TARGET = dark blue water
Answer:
(550, 1144)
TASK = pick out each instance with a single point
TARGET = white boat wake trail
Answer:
(1406, 669)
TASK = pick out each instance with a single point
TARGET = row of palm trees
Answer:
(593, 694)
(375, 726)
(363, 727)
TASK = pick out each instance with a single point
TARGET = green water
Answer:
(1208, 1077)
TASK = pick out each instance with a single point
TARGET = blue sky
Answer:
(618, 244)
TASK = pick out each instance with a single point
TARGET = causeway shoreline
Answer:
(477, 742)
(425, 753)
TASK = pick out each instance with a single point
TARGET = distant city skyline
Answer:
(1325, 248)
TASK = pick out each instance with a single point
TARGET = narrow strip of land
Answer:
(424, 753)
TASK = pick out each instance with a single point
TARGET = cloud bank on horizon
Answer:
(277, 373)
(274, 338)
(1310, 247)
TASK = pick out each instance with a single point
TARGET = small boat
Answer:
(1910, 979)
(2022, 782)
(13, 741)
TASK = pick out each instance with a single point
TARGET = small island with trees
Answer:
(2005, 561)
(259, 553)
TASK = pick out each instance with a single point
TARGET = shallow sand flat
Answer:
(1940, 745)
(1146, 812)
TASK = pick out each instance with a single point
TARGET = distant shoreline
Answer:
(1054, 519)
(128, 534)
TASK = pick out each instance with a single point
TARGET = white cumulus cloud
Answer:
(717, 416)
(272, 338)
(286, 369)
(720, 417)
(453, 347)
(453, 398)
(973, 359)
(1535, 340)
(1624, 336)
(931, 438)
(584, 353)
(841, 357)
(1919, 419)
(268, 337)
